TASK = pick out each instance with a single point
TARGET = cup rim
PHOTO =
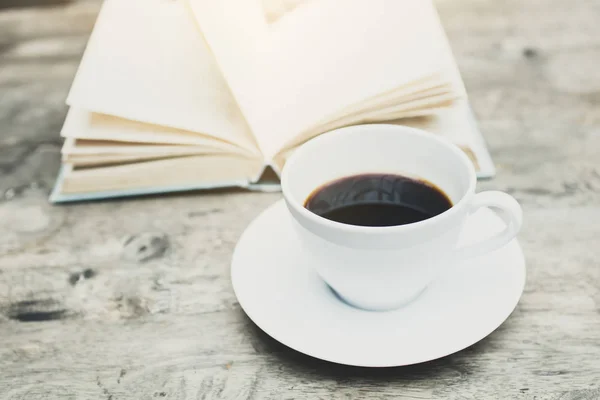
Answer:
(307, 146)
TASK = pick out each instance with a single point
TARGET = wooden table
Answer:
(132, 299)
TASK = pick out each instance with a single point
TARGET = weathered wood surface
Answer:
(132, 299)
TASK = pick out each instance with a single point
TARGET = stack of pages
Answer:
(175, 95)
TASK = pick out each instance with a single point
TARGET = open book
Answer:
(175, 95)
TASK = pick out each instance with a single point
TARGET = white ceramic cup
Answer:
(383, 268)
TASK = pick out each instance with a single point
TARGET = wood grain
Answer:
(132, 299)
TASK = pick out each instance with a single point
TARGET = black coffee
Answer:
(378, 200)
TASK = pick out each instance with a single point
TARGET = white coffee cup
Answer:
(383, 268)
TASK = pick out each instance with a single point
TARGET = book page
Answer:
(275, 9)
(101, 147)
(205, 170)
(79, 152)
(145, 61)
(322, 57)
(81, 124)
(423, 107)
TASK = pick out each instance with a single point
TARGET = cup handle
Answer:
(508, 209)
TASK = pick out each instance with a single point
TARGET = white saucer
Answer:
(283, 295)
